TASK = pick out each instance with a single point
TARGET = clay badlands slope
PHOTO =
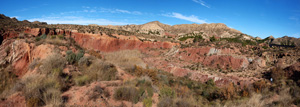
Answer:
(142, 65)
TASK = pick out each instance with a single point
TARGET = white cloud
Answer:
(202, 3)
(17, 17)
(191, 18)
(77, 20)
(120, 11)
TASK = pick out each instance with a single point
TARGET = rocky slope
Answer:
(216, 68)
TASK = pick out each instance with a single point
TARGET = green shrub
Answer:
(265, 47)
(210, 82)
(37, 38)
(167, 92)
(61, 36)
(196, 38)
(44, 36)
(53, 36)
(147, 102)
(212, 39)
(71, 57)
(79, 55)
(239, 40)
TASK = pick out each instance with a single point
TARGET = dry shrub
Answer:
(260, 85)
(95, 54)
(127, 93)
(140, 71)
(42, 90)
(103, 71)
(7, 80)
(229, 91)
(166, 102)
(278, 74)
(182, 91)
(285, 98)
(98, 70)
(54, 61)
(183, 103)
(125, 58)
(85, 61)
(33, 64)
(256, 100)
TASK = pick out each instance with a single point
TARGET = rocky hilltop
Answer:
(160, 29)
(144, 65)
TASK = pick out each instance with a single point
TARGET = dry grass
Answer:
(42, 90)
(98, 70)
(125, 58)
(254, 101)
(54, 61)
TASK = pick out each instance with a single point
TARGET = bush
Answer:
(147, 102)
(259, 86)
(210, 83)
(278, 74)
(167, 92)
(85, 61)
(71, 57)
(61, 36)
(125, 58)
(139, 71)
(79, 55)
(98, 70)
(7, 78)
(54, 61)
(38, 38)
(182, 103)
(165, 102)
(33, 64)
(82, 80)
(212, 39)
(127, 93)
(102, 71)
(40, 90)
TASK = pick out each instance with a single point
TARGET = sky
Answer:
(258, 18)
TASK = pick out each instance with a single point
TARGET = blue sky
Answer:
(260, 18)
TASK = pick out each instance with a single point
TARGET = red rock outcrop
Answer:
(117, 42)
(33, 31)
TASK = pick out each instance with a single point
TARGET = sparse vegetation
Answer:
(98, 70)
(127, 93)
(125, 58)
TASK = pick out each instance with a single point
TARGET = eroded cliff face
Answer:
(112, 43)
(162, 55)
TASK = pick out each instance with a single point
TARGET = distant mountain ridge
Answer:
(213, 29)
